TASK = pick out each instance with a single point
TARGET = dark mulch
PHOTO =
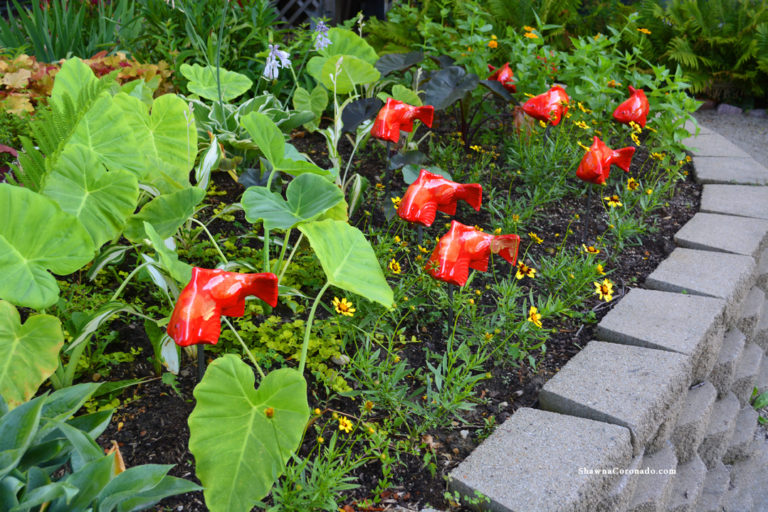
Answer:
(152, 426)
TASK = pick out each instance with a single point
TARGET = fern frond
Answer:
(681, 52)
(30, 171)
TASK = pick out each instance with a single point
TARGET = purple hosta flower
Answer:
(275, 60)
(321, 36)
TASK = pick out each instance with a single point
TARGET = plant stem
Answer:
(213, 240)
(305, 345)
(126, 281)
(282, 251)
(245, 347)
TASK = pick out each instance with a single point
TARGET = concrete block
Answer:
(762, 377)
(747, 473)
(620, 495)
(689, 484)
(724, 233)
(722, 421)
(693, 421)
(746, 372)
(750, 313)
(761, 331)
(734, 170)
(712, 274)
(741, 200)
(725, 367)
(694, 127)
(712, 144)
(630, 386)
(689, 324)
(736, 500)
(762, 271)
(715, 485)
(654, 489)
(742, 440)
(538, 460)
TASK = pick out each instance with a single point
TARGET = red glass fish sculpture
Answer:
(595, 166)
(210, 294)
(503, 75)
(549, 107)
(396, 116)
(431, 193)
(465, 247)
(635, 108)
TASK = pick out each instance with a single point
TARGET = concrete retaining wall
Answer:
(654, 414)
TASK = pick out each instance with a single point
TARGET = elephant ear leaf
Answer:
(36, 236)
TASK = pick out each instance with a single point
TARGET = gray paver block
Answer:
(736, 170)
(747, 476)
(630, 386)
(750, 312)
(724, 233)
(533, 461)
(762, 378)
(693, 421)
(688, 324)
(738, 501)
(715, 486)
(690, 127)
(689, 484)
(619, 496)
(712, 144)
(722, 421)
(712, 274)
(746, 372)
(653, 490)
(742, 200)
(725, 368)
(743, 436)
(762, 271)
(761, 331)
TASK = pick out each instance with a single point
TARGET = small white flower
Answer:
(321, 36)
(275, 60)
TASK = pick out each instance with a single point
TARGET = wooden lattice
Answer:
(295, 12)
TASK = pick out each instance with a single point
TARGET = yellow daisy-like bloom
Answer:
(528, 29)
(497, 231)
(317, 412)
(613, 83)
(488, 336)
(542, 124)
(582, 125)
(423, 250)
(583, 108)
(582, 146)
(478, 228)
(524, 270)
(493, 36)
(343, 306)
(535, 237)
(635, 127)
(493, 44)
(635, 139)
(397, 239)
(534, 316)
(632, 184)
(320, 439)
(368, 405)
(600, 271)
(380, 186)
(644, 30)
(649, 191)
(604, 290)
(394, 267)
(475, 147)
(687, 158)
(531, 35)
(613, 201)
(396, 201)
(657, 156)
(515, 217)
(590, 249)
(345, 424)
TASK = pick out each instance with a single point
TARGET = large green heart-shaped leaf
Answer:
(73, 76)
(307, 197)
(37, 236)
(346, 42)
(166, 213)
(265, 133)
(348, 259)
(202, 81)
(29, 353)
(242, 437)
(348, 71)
(101, 200)
(314, 101)
(448, 86)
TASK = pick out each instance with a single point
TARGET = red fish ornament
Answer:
(595, 166)
(465, 247)
(503, 75)
(431, 193)
(396, 116)
(549, 107)
(635, 108)
(210, 294)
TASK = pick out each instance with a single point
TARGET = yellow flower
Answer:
(515, 217)
(368, 405)
(613, 83)
(534, 316)
(528, 29)
(591, 249)
(396, 201)
(394, 266)
(535, 237)
(397, 239)
(478, 292)
(475, 147)
(343, 306)
(582, 125)
(542, 124)
(380, 186)
(600, 270)
(472, 302)
(497, 231)
(422, 249)
(687, 158)
(635, 139)
(583, 108)
(493, 44)
(493, 36)
(345, 424)
(613, 201)
(317, 412)
(524, 270)
(531, 35)
(649, 191)
(635, 127)
(528, 95)
(657, 156)
(320, 439)
(604, 290)
(632, 184)
(585, 148)
(478, 228)
(644, 30)
(488, 336)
